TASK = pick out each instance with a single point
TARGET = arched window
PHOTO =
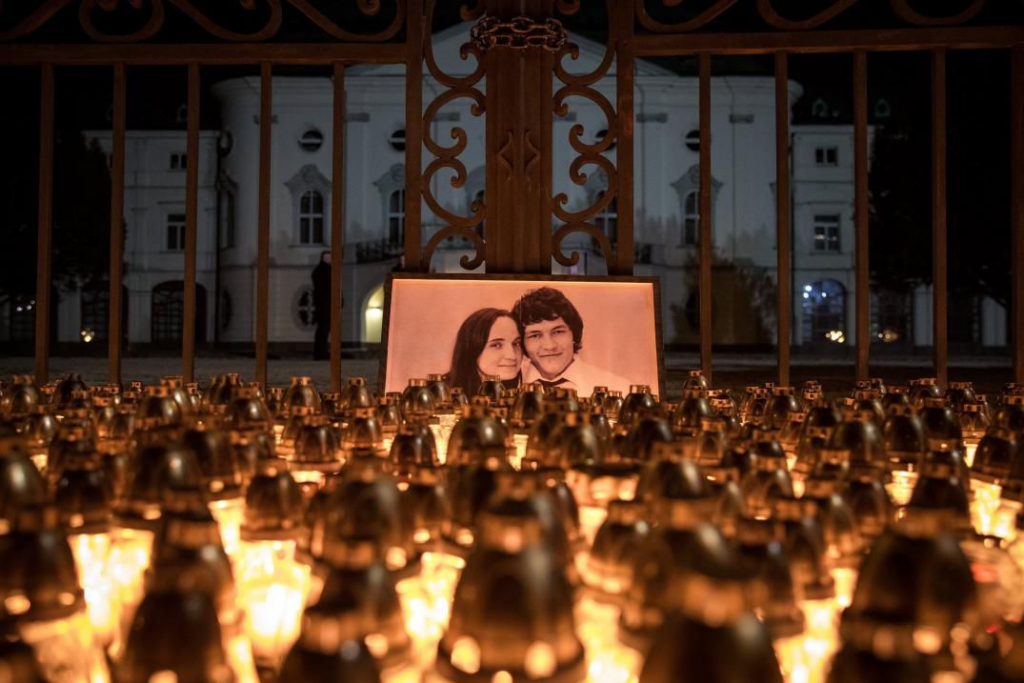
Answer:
(691, 219)
(396, 217)
(311, 218)
(373, 316)
(305, 307)
(167, 312)
(608, 220)
(824, 313)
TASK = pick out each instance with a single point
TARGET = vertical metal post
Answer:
(117, 165)
(188, 338)
(940, 292)
(623, 29)
(263, 227)
(860, 189)
(784, 302)
(706, 247)
(337, 219)
(1017, 193)
(413, 133)
(45, 225)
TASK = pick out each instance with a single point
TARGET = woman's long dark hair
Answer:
(469, 344)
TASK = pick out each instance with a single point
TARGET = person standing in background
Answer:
(322, 306)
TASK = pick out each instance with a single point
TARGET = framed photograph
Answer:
(573, 332)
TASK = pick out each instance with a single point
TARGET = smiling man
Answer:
(552, 332)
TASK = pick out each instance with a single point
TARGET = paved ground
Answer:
(731, 370)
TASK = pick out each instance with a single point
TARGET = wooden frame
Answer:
(521, 283)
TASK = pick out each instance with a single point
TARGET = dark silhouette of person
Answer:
(322, 306)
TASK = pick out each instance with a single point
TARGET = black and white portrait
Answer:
(570, 333)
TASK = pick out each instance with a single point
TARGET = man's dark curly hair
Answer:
(547, 303)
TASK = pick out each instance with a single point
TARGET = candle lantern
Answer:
(390, 417)
(417, 400)
(859, 660)
(315, 455)
(38, 430)
(271, 584)
(608, 571)
(332, 646)
(767, 479)
(39, 589)
(413, 449)
(159, 473)
(671, 473)
(221, 478)
(363, 433)
(996, 453)
(710, 634)
(476, 453)
(645, 431)
(176, 637)
(83, 500)
(782, 404)
(904, 441)
(158, 407)
(941, 427)
(21, 484)
(367, 506)
(188, 554)
(858, 434)
(869, 501)
(637, 403)
(1010, 414)
(355, 394)
(915, 587)
(941, 489)
(301, 392)
(680, 542)
(176, 389)
(974, 422)
(920, 389)
(358, 575)
(287, 427)
(513, 607)
(21, 398)
(612, 405)
(687, 416)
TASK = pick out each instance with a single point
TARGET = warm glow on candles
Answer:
(273, 589)
(984, 503)
(129, 559)
(92, 554)
(229, 514)
(65, 649)
(901, 488)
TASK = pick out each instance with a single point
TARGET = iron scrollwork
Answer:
(775, 19)
(581, 85)
(457, 87)
(152, 15)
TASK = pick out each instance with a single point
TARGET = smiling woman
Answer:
(522, 330)
(487, 345)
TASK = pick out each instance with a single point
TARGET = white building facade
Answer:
(666, 220)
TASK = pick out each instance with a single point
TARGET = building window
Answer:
(305, 307)
(688, 189)
(95, 312)
(824, 313)
(167, 312)
(179, 162)
(309, 189)
(22, 309)
(175, 231)
(691, 219)
(397, 140)
(311, 140)
(608, 220)
(311, 218)
(826, 233)
(826, 156)
(396, 217)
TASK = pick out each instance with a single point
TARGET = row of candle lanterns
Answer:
(174, 532)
